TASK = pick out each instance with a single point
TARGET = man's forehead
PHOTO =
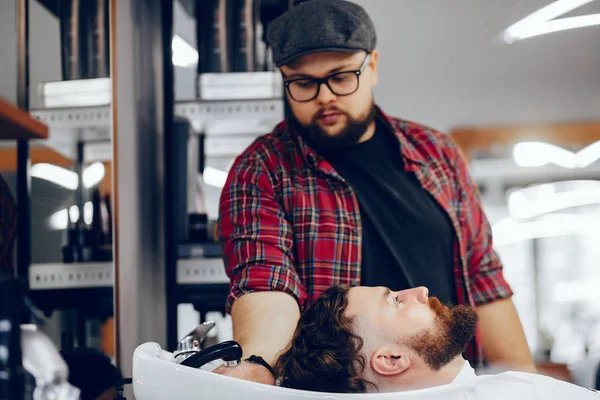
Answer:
(359, 301)
(362, 309)
(320, 63)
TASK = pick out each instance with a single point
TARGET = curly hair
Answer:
(324, 354)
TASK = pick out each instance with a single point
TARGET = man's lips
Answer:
(330, 117)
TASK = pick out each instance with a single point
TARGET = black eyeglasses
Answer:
(341, 84)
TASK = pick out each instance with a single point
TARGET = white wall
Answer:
(8, 51)
(441, 65)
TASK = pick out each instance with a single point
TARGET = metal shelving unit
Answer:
(143, 117)
(70, 276)
(226, 127)
(92, 124)
(78, 132)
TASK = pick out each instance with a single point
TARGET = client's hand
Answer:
(247, 371)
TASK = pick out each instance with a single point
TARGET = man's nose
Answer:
(421, 294)
(325, 96)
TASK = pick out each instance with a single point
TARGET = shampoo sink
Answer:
(157, 376)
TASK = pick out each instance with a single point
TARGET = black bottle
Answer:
(212, 36)
(100, 51)
(97, 234)
(245, 16)
(108, 229)
(74, 41)
(70, 252)
(78, 248)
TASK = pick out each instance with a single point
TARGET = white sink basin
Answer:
(157, 377)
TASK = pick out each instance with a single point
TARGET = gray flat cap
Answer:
(320, 25)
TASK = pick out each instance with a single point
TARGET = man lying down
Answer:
(370, 339)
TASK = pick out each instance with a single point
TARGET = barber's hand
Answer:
(247, 371)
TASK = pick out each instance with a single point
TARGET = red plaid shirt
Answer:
(290, 223)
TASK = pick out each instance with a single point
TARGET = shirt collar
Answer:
(407, 149)
(467, 373)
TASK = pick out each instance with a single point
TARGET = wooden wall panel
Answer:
(562, 134)
(8, 158)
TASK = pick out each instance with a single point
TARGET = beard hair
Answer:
(453, 328)
(349, 135)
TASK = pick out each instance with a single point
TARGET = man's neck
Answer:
(421, 376)
(369, 132)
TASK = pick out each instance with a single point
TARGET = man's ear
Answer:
(387, 362)
(374, 66)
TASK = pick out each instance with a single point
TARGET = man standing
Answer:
(342, 193)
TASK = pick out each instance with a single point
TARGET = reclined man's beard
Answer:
(452, 331)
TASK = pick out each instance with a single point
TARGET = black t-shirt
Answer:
(407, 236)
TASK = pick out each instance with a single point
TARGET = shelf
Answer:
(219, 117)
(86, 287)
(238, 120)
(18, 124)
(70, 276)
(203, 283)
(76, 118)
(201, 271)
(89, 286)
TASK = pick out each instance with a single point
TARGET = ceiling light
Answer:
(59, 220)
(538, 154)
(93, 174)
(544, 20)
(558, 25)
(88, 212)
(74, 214)
(184, 54)
(57, 175)
(509, 230)
(588, 155)
(547, 198)
(68, 179)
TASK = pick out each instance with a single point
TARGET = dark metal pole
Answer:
(23, 161)
(142, 106)
(171, 227)
(80, 194)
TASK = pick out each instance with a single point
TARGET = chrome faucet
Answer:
(190, 343)
(190, 354)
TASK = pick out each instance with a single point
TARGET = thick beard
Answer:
(454, 327)
(351, 134)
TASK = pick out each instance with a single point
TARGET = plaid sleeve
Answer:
(256, 237)
(485, 268)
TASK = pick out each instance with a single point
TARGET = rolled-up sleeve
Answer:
(256, 237)
(485, 275)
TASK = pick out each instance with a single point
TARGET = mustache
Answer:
(328, 110)
(440, 309)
